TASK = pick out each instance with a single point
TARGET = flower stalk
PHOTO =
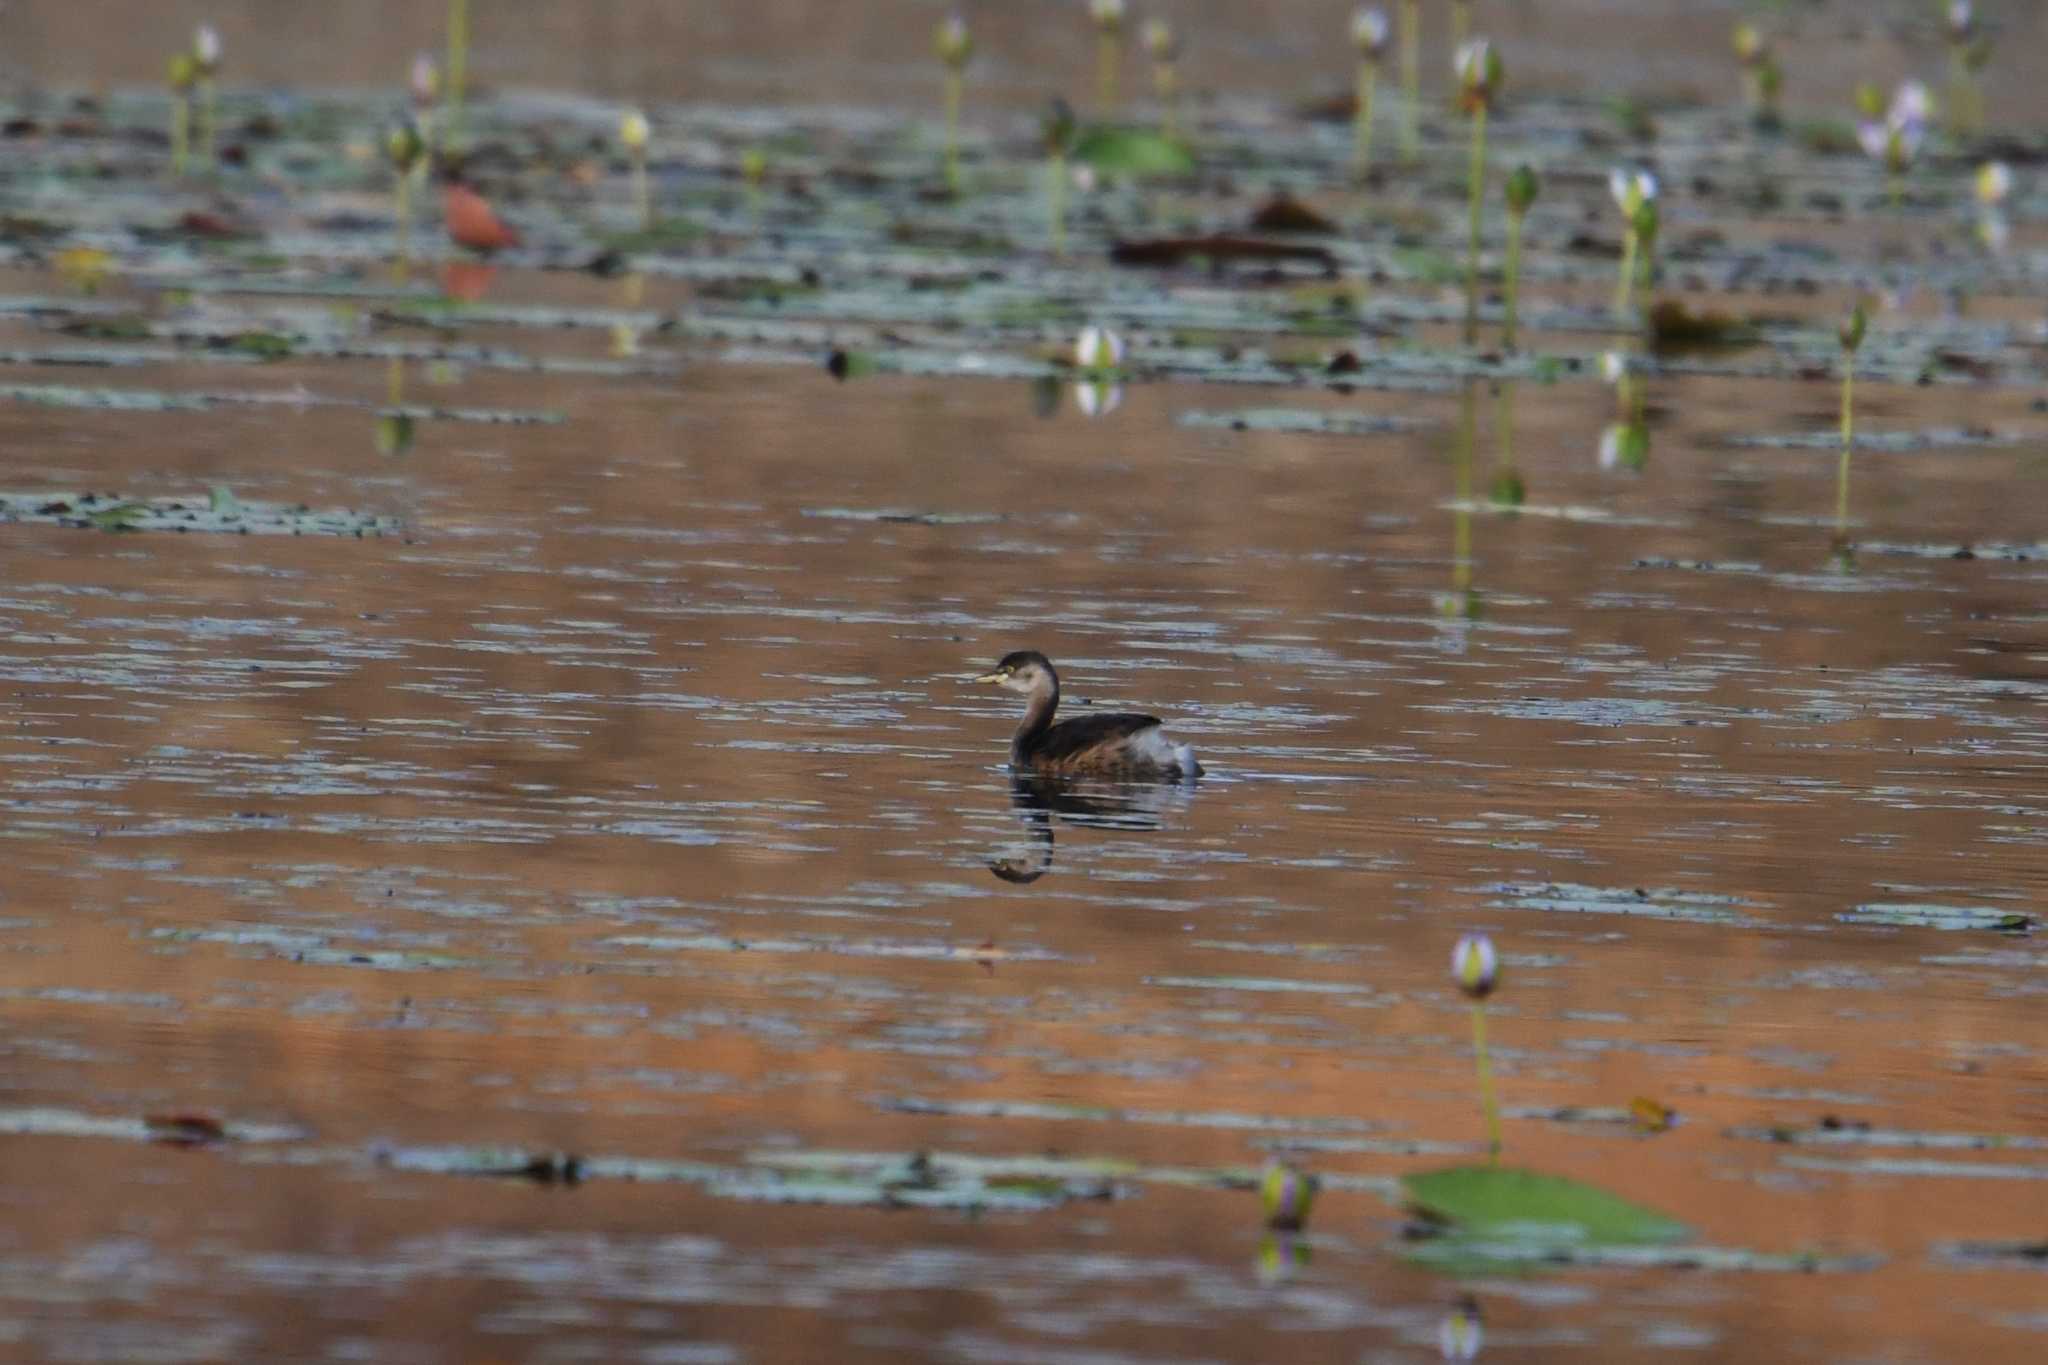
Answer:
(458, 68)
(954, 46)
(1109, 50)
(1479, 73)
(1370, 32)
(1411, 80)
(1476, 969)
(634, 132)
(1851, 334)
(1164, 46)
(206, 62)
(1521, 194)
(184, 73)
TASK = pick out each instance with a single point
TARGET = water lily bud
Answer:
(1160, 40)
(183, 72)
(633, 130)
(425, 81)
(403, 144)
(1474, 966)
(1098, 348)
(952, 41)
(1056, 125)
(1625, 445)
(1853, 328)
(1994, 183)
(206, 49)
(754, 166)
(1749, 44)
(1288, 1193)
(1460, 1335)
(1614, 366)
(1869, 101)
(1479, 72)
(1522, 189)
(1371, 31)
(1109, 14)
(1962, 20)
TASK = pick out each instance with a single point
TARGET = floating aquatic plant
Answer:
(633, 133)
(1476, 968)
(955, 46)
(1479, 73)
(404, 146)
(1522, 189)
(1163, 45)
(1369, 32)
(1057, 129)
(1109, 50)
(183, 75)
(1635, 194)
(206, 62)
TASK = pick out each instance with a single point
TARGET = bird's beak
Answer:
(989, 678)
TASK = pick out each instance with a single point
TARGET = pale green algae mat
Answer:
(503, 864)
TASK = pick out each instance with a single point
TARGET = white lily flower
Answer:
(1370, 31)
(1098, 348)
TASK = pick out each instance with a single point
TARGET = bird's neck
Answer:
(1039, 704)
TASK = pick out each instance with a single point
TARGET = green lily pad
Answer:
(1504, 1205)
(1133, 151)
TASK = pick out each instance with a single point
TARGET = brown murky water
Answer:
(614, 819)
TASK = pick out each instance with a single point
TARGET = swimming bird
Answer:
(472, 223)
(1122, 746)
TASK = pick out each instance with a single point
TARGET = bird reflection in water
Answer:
(1089, 802)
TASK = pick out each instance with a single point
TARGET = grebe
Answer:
(1123, 746)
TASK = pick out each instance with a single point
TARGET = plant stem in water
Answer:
(181, 133)
(458, 65)
(1056, 201)
(1361, 142)
(1514, 275)
(1108, 56)
(401, 269)
(1486, 1082)
(1411, 80)
(643, 198)
(1461, 23)
(1628, 273)
(1478, 193)
(1166, 84)
(209, 113)
(1848, 444)
(952, 130)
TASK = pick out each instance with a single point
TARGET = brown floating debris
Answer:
(1217, 249)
